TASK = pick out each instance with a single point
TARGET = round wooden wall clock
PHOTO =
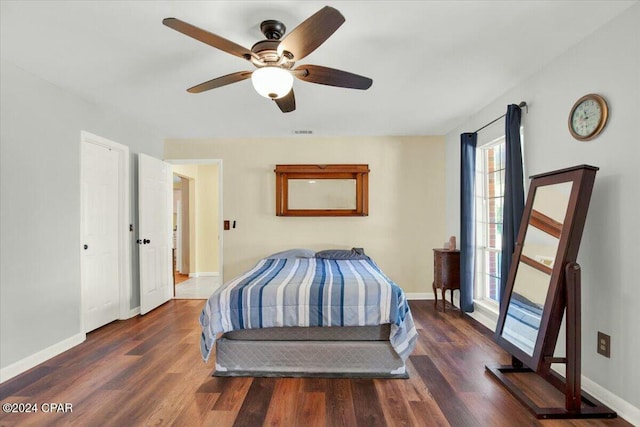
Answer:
(588, 117)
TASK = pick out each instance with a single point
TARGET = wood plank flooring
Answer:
(147, 371)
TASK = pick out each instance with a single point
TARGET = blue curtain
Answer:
(468, 142)
(513, 192)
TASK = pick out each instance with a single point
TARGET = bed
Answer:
(299, 313)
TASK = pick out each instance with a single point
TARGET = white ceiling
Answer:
(433, 63)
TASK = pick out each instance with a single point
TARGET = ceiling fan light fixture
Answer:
(272, 82)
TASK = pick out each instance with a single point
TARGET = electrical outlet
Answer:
(604, 344)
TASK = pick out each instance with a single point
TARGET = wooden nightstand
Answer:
(446, 273)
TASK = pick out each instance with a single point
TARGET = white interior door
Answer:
(100, 235)
(155, 237)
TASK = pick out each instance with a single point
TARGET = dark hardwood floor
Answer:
(148, 371)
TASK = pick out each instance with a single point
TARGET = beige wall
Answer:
(204, 220)
(207, 219)
(406, 201)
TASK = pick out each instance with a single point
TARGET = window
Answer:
(489, 202)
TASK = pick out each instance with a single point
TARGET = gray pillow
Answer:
(353, 253)
(293, 253)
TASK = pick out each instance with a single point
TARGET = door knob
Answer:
(145, 241)
(85, 247)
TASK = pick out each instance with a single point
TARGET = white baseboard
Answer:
(29, 362)
(419, 295)
(623, 408)
(204, 274)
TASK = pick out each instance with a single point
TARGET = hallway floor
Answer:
(197, 287)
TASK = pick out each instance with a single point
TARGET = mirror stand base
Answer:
(590, 407)
(516, 363)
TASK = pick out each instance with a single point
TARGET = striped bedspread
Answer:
(309, 292)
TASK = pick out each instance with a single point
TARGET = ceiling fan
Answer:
(275, 57)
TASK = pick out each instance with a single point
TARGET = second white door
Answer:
(154, 238)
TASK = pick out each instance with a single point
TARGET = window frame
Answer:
(482, 249)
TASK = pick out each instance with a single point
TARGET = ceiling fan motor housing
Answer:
(272, 29)
(267, 51)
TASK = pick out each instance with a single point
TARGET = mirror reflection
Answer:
(535, 265)
(539, 247)
(322, 194)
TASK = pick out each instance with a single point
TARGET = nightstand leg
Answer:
(435, 294)
(444, 300)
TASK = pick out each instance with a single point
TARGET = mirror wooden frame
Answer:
(570, 234)
(563, 294)
(357, 172)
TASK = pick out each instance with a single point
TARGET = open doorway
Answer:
(197, 213)
(181, 234)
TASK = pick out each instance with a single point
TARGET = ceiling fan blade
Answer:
(287, 103)
(310, 34)
(208, 38)
(331, 77)
(221, 81)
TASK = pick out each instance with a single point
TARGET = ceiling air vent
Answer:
(303, 132)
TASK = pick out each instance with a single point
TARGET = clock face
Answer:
(586, 117)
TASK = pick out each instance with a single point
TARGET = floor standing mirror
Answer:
(543, 285)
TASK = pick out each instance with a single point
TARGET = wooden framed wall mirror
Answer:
(543, 283)
(322, 190)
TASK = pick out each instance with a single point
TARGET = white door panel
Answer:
(155, 194)
(100, 254)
